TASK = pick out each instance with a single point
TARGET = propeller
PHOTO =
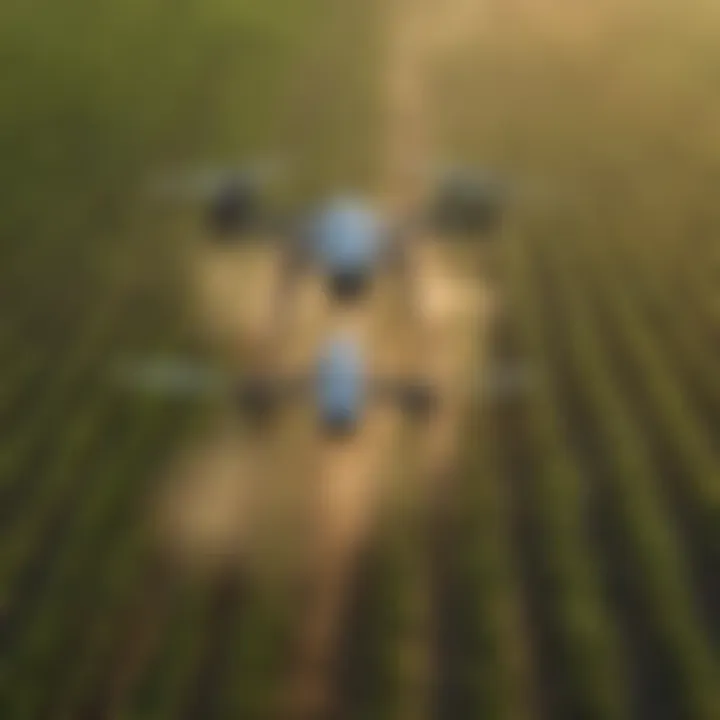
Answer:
(525, 188)
(204, 183)
(171, 377)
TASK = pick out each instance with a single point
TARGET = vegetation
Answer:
(575, 574)
(98, 98)
(602, 116)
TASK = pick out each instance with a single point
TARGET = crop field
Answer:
(96, 98)
(596, 558)
(575, 574)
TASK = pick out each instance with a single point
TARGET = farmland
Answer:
(575, 574)
(100, 98)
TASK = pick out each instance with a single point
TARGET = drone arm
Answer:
(171, 378)
(402, 257)
(414, 396)
(288, 386)
(389, 389)
(290, 266)
(259, 397)
(294, 386)
(400, 236)
(383, 388)
(276, 225)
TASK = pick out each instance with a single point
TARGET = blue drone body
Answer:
(346, 238)
(340, 384)
(348, 243)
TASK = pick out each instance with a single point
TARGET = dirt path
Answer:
(452, 305)
(333, 490)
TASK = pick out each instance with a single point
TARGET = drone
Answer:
(338, 385)
(343, 237)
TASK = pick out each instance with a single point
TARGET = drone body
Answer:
(348, 243)
(340, 385)
(340, 388)
(344, 237)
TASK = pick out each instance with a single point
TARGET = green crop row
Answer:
(64, 605)
(67, 386)
(667, 402)
(123, 570)
(496, 672)
(85, 447)
(679, 332)
(162, 684)
(410, 644)
(260, 634)
(660, 573)
(592, 662)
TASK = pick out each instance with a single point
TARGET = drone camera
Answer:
(419, 400)
(349, 287)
